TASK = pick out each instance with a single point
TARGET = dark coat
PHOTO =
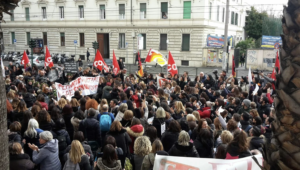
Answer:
(204, 147)
(125, 123)
(122, 138)
(168, 139)
(91, 130)
(29, 99)
(20, 162)
(183, 151)
(233, 150)
(62, 132)
(15, 137)
(47, 125)
(69, 126)
(256, 143)
(157, 122)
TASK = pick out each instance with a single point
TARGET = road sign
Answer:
(276, 45)
(15, 41)
(75, 42)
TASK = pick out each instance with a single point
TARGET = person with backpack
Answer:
(61, 135)
(105, 120)
(76, 159)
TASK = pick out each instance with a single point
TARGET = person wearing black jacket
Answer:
(29, 98)
(14, 133)
(121, 64)
(183, 147)
(91, 128)
(170, 137)
(18, 160)
(61, 135)
(204, 144)
(263, 107)
(256, 140)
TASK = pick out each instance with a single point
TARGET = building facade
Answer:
(179, 26)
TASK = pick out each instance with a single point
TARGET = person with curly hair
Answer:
(142, 147)
(44, 120)
(91, 103)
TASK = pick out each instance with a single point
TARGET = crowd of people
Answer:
(131, 119)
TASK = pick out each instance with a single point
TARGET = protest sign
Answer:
(71, 67)
(160, 81)
(179, 163)
(87, 85)
(53, 75)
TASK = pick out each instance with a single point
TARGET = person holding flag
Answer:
(48, 59)
(233, 67)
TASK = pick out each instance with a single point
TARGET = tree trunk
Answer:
(284, 150)
(4, 155)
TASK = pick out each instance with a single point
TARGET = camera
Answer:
(257, 71)
(215, 71)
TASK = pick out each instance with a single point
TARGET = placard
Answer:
(53, 75)
(71, 67)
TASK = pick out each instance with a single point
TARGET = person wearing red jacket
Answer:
(136, 97)
(204, 110)
(135, 130)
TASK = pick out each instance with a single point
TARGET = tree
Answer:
(4, 159)
(254, 22)
(284, 148)
(244, 45)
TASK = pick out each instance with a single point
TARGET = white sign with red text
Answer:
(87, 85)
(181, 163)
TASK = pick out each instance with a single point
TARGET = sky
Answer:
(271, 6)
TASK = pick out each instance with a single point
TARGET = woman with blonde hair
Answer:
(62, 102)
(179, 110)
(197, 116)
(103, 102)
(75, 104)
(77, 157)
(183, 147)
(142, 147)
(218, 131)
(159, 121)
(148, 161)
(126, 120)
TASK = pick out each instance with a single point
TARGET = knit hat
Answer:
(247, 102)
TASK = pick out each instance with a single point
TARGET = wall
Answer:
(262, 59)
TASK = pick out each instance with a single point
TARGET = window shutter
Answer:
(164, 7)
(122, 9)
(27, 14)
(187, 10)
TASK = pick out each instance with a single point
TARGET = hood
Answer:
(116, 165)
(75, 121)
(136, 130)
(184, 148)
(51, 146)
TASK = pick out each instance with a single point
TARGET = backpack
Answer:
(69, 165)
(105, 122)
(62, 143)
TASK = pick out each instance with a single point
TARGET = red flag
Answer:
(116, 67)
(172, 68)
(48, 59)
(99, 62)
(233, 67)
(140, 68)
(25, 60)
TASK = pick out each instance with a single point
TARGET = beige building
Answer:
(179, 26)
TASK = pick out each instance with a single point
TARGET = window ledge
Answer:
(81, 18)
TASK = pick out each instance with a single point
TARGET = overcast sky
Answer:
(272, 6)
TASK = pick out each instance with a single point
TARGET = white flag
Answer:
(249, 76)
(2, 66)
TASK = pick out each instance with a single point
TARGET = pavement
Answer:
(193, 71)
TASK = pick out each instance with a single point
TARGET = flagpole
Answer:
(167, 63)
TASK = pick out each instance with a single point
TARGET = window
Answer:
(164, 10)
(62, 39)
(143, 8)
(81, 12)
(61, 12)
(163, 42)
(185, 42)
(28, 37)
(184, 62)
(12, 37)
(27, 14)
(81, 36)
(45, 37)
(102, 11)
(187, 10)
(232, 17)
(12, 17)
(122, 40)
(218, 13)
(121, 11)
(223, 15)
(44, 12)
(144, 41)
(236, 19)
(210, 6)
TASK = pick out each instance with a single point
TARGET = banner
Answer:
(270, 41)
(140, 67)
(87, 85)
(181, 163)
(116, 67)
(48, 59)
(156, 57)
(25, 59)
(100, 63)
(71, 67)
(160, 80)
(215, 41)
(172, 68)
(53, 75)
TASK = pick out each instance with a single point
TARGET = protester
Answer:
(183, 147)
(19, 159)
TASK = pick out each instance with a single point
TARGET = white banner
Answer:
(181, 163)
(87, 85)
